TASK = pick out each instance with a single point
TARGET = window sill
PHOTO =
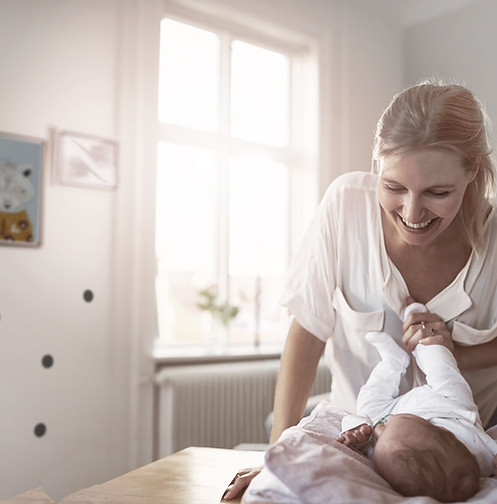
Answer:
(173, 356)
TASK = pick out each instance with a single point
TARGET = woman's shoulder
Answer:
(352, 198)
(355, 180)
(349, 184)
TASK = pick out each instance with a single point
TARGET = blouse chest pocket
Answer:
(359, 321)
(466, 335)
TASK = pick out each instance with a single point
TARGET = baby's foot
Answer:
(388, 349)
(414, 308)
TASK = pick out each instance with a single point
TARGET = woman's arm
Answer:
(298, 365)
(476, 356)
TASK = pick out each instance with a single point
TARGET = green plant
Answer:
(225, 312)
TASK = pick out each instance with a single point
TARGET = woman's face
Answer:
(421, 193)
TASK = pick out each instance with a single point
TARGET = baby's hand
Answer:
(358, 437)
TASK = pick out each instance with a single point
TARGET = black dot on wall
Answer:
(47, 361)
(88, 296)
(40, 430)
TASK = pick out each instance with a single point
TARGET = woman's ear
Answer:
(473, 171)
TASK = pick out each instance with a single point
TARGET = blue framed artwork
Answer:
(21, 181)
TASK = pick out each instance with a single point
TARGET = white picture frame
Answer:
(86, 160)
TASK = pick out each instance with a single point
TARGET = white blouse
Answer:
(341, 284)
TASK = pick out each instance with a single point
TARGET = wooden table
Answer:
(191, 476)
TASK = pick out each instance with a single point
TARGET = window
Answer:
(232, 171)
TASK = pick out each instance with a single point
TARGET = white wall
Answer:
(460, 45)
(86, 65)
(58, 69)
(371, 73)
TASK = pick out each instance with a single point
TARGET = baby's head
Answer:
(418, 458)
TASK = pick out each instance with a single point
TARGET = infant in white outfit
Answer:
(429, 441)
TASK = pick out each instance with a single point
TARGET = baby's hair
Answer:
(414, 472)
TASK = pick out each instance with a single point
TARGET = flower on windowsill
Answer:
(225, 312)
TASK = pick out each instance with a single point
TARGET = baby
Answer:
(429, 441)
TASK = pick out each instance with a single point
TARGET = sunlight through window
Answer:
(260, 94)
(226, 173)
(188, 76)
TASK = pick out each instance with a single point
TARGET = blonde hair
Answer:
(432, 115)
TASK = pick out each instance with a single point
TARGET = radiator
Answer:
(218, 405)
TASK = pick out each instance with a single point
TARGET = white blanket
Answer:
(308, 466)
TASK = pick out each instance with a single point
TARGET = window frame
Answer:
(300, 155)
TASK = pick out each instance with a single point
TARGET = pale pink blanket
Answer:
(308, 466)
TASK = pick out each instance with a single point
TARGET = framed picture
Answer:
(21, 180)
(86, 160)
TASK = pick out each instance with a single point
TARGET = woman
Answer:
(421, 225)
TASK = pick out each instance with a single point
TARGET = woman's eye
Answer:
(394, 189)
(441, 194)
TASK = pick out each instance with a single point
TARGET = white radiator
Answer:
(218, 405)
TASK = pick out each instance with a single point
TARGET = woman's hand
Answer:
(427, 329)
(241, 481)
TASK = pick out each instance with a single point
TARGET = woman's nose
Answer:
(412, 208)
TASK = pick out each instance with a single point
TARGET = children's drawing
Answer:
(21, 162)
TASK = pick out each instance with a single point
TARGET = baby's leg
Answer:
(442, 373)
(383, 384)
(389, 351)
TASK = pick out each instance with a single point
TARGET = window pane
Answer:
(258, 215)
(188, 76)
(260, 94)
(186, 216)
(261, 319)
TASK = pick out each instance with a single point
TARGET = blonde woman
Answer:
(420, 225)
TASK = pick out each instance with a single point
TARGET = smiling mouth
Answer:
(418, 225)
